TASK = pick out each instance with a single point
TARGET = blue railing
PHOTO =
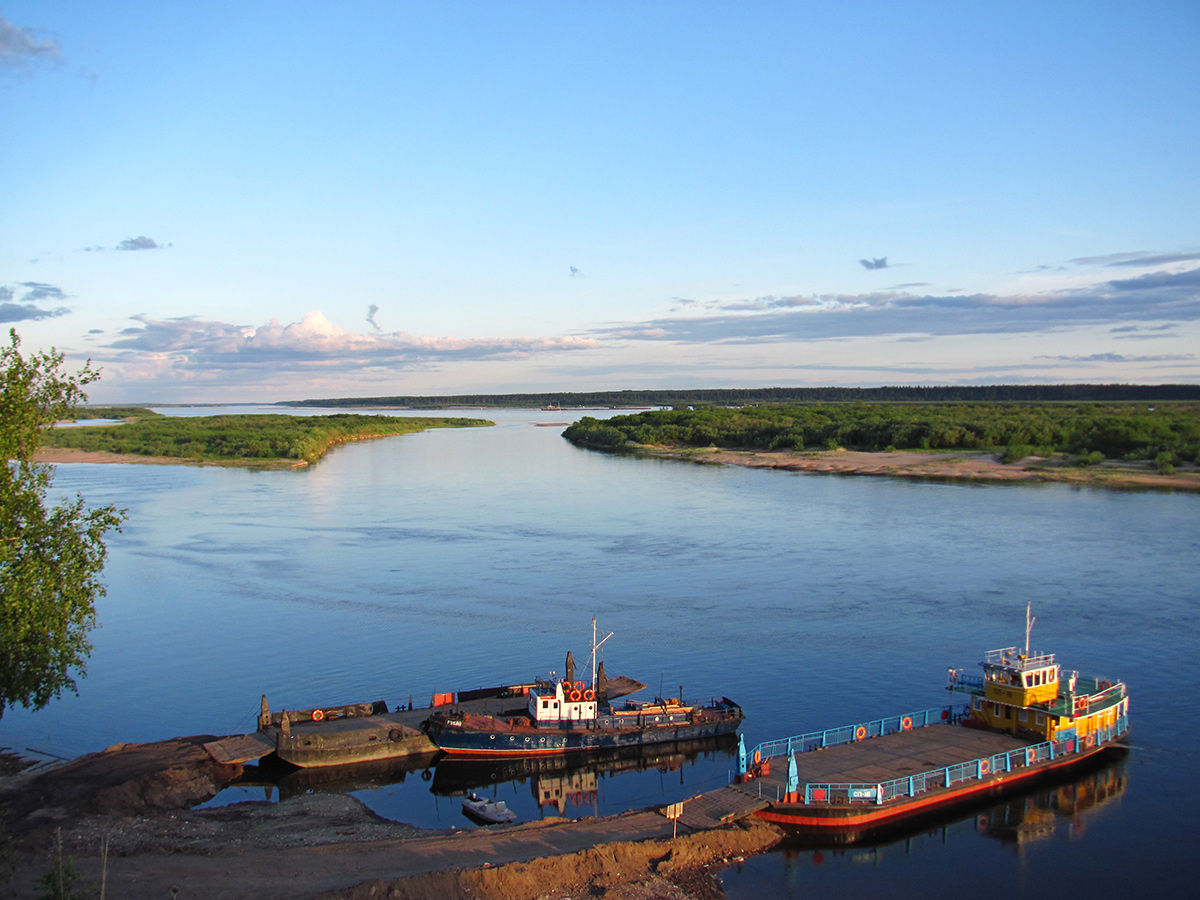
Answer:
(962, 682)
(973, 770)
(831, 737)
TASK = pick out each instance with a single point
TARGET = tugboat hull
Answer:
(476, 739)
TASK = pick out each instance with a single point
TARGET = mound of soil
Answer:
(126, 814)
(124, 780)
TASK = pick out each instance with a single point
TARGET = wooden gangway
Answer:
(719, 807)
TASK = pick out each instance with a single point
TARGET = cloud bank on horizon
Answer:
(1153, 306)
(718, 196)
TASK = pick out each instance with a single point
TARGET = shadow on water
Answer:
(414, 790)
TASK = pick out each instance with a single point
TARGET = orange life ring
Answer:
(906, 723)
(860, 733)
(318, 715)
(589, 694)
(1030, 756)
(984, 766)
(757, 757)
(576, 696)
(579, 685)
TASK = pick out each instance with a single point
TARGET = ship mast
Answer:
(596, 647)
(1029, 620)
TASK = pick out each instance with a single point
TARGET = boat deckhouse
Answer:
(568, 703)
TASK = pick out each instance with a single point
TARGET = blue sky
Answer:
(260, 201)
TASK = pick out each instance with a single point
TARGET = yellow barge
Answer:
(1025, 718)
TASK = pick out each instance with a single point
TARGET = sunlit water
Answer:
(456, 559)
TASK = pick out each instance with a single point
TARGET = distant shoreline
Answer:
(52, 455)
(944, 466)
(940, 466)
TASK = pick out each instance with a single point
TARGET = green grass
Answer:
(250, 440)
(1091, 431)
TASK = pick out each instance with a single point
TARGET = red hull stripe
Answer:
(904, 808)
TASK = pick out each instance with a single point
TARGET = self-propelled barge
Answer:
(1025, 718)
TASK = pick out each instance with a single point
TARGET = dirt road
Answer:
(137, 799)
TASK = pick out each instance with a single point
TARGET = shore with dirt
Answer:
(932, 465)
(942, 466)
(125, 815)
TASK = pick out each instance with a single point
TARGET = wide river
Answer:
(456, 559)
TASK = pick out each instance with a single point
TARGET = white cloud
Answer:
(1155, 297)
(19, 47)
(314, 342)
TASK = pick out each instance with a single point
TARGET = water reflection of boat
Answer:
(1025, 719)
(1038, 815)
(454, 775)
(1059, 800)
(345, 779)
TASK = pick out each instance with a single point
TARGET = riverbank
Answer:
(51, 455)
(930, 465)
(942, 466)
(136, 800)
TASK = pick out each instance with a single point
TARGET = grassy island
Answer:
(259, 441)
(1105, 443)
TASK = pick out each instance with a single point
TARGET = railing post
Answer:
(912, 786)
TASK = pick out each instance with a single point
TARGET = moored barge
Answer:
(1025, 718)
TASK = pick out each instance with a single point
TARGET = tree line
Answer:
(242, 438)
(1011, 393)
(1166, 432)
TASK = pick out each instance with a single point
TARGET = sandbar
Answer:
(942, 466)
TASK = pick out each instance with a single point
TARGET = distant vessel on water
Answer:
(1023, 720)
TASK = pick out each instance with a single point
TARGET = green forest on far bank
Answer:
(1167, 433)
(262, 440)
(632, 399)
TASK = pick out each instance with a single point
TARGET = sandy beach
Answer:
(942, 466)
(53, 455)
(948, 466)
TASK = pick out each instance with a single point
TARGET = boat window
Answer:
(1023, 715)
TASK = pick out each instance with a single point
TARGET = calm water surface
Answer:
(463, 558)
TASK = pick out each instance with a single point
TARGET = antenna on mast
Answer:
(596, 647)
(1029, 620)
